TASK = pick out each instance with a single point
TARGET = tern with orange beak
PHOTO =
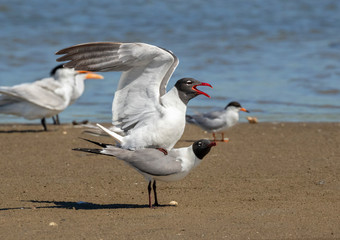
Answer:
(143, 113)
(46, 97)
(218, 121)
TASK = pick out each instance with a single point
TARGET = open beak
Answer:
(200, 92)
(91, 75)
(244, 110)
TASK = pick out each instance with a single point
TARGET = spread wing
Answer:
(146, 72)
(45, 93)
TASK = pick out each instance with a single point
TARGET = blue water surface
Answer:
(280, 59)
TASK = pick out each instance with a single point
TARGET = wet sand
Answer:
(271, 181)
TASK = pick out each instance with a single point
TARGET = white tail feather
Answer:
(116, 136)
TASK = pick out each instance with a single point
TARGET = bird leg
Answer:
(214, 137)
(163, 151)
(149, 191)
(224, 140)
(43, 122)
(155, 193)
(56, 120)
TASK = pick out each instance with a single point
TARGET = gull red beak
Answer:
(201, 92)
(212, 144)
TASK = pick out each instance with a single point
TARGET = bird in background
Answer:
(46, 97)
(218, 121)
(143, 113)
(78, 85)
(156, 165)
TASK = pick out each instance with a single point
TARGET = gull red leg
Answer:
(163, 150)
(214, 136)
(224, 140)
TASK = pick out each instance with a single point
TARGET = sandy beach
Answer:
(271, 181)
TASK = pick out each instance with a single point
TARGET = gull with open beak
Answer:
(143, 113)
(46, 97)
(218, 121)
(156, 165)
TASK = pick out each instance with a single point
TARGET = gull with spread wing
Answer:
(143, 113)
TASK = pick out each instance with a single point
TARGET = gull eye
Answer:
(189, 82)
(199, 144)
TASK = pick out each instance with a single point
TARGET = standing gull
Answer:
(156, 165)
(218, 121)
(143, 113)
(46, 97)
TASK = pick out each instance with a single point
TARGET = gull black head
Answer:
(202, 147)
(237, 106)
(187, 89)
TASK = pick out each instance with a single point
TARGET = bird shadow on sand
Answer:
(23, 131)
(78, 205)
(188, 140)
(27, 128)
(194, 140)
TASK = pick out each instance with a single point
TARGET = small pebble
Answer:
(53, 224)
(252, 119)
(64, 132)
(173, 203)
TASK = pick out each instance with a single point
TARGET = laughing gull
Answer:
(143, 113)
(218, 121)
(46, 97)
(155, 164)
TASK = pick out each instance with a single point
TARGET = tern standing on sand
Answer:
(44, 98)
(218, 121)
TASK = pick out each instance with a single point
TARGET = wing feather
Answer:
(146, 73)
(150, 161)
(41, 93)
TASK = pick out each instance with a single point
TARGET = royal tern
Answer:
(142, 111)
(44, 98)
(218, 121)
(154, 164)
(78, 85)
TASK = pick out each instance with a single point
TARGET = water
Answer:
(279, 59)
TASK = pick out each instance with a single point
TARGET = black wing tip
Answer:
(88, 44)
(88, 150)
(104, 145)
